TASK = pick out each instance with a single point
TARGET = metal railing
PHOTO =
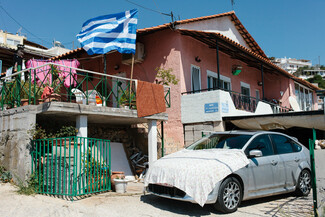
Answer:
(68, 84)
(244, 102)
(71, 166)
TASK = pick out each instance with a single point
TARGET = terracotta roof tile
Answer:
(67, 53)
(247, 37)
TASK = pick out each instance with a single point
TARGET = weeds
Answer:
(31, 187)
(5, 176)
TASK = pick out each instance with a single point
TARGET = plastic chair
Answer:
(80, 96)
(94, 98)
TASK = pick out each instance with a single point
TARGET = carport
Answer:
(297, 124)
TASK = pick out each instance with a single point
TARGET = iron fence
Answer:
(71, 166)
(68, 84)
(245, 102)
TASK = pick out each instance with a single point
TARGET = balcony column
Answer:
(262, 73)
(82, 125)
(152, 141)
(218, 70)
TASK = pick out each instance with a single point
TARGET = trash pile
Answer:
(319, 144)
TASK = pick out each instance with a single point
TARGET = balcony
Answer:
(212, 105)
(54, 82)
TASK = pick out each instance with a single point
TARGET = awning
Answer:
(304, 119)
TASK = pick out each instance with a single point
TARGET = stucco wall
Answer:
(276, 83)
(222, 25)
(192, 48)
(211, 106)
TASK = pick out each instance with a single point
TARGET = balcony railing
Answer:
(54, 82)
(244, 102)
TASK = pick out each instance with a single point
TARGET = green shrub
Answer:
(5, 176)
(31, 187)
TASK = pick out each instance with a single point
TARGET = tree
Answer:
(317, 79)
(166, 77)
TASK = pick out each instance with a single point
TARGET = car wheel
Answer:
(304, 183)
(229, 196)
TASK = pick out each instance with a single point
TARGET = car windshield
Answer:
(221, 141)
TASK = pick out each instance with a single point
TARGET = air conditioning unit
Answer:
(138, 56)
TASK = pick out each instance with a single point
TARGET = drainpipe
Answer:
(218, 71)
(162, 139)
(262, 72)
(104, 103)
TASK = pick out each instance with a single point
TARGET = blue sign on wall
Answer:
(211, 107)
(0, 67)
(225, 107)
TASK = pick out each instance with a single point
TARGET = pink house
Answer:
(221, 69)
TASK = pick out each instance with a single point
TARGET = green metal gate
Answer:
(71, 166)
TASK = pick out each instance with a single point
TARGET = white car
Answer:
(277, 164)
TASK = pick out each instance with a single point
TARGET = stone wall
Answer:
(15, 143)
(112, 133)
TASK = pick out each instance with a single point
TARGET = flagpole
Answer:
(105, 80)
(131, 79)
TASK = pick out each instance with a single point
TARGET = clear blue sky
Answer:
(291, 28)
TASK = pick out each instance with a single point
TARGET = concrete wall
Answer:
(213, 105)
(15, 141)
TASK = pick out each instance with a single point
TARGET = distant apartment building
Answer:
(290, 64)
(309, 73)
(8, 47)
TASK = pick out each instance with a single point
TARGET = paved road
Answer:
(111, 204)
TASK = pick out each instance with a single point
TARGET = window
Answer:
(221, 141)
(12, 42)
(304, 97)
(1, 39)
(261, 143)
(225, 82)
(296, 146)
(245, 88)
(282, 144)
(257, 95)
(195, 78)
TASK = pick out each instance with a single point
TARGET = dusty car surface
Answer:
(276, 164)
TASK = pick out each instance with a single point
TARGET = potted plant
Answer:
(124, 100)
(120, 184)
(52, 89)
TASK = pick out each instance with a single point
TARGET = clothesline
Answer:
(42, 75)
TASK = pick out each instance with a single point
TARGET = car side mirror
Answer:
(255, 153)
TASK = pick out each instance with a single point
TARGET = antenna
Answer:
(232, 4)
(19, 30)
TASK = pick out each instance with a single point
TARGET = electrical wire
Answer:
(158, 10)
(149, 9)
(22, 25)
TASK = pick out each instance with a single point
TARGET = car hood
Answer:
(196, 172)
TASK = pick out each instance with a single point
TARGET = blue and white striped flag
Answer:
(102, 34)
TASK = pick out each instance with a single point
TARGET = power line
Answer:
(149, 9)
(22, 25)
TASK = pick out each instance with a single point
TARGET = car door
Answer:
(261, 170)
(290, 157)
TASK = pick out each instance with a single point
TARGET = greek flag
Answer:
(102, 34)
